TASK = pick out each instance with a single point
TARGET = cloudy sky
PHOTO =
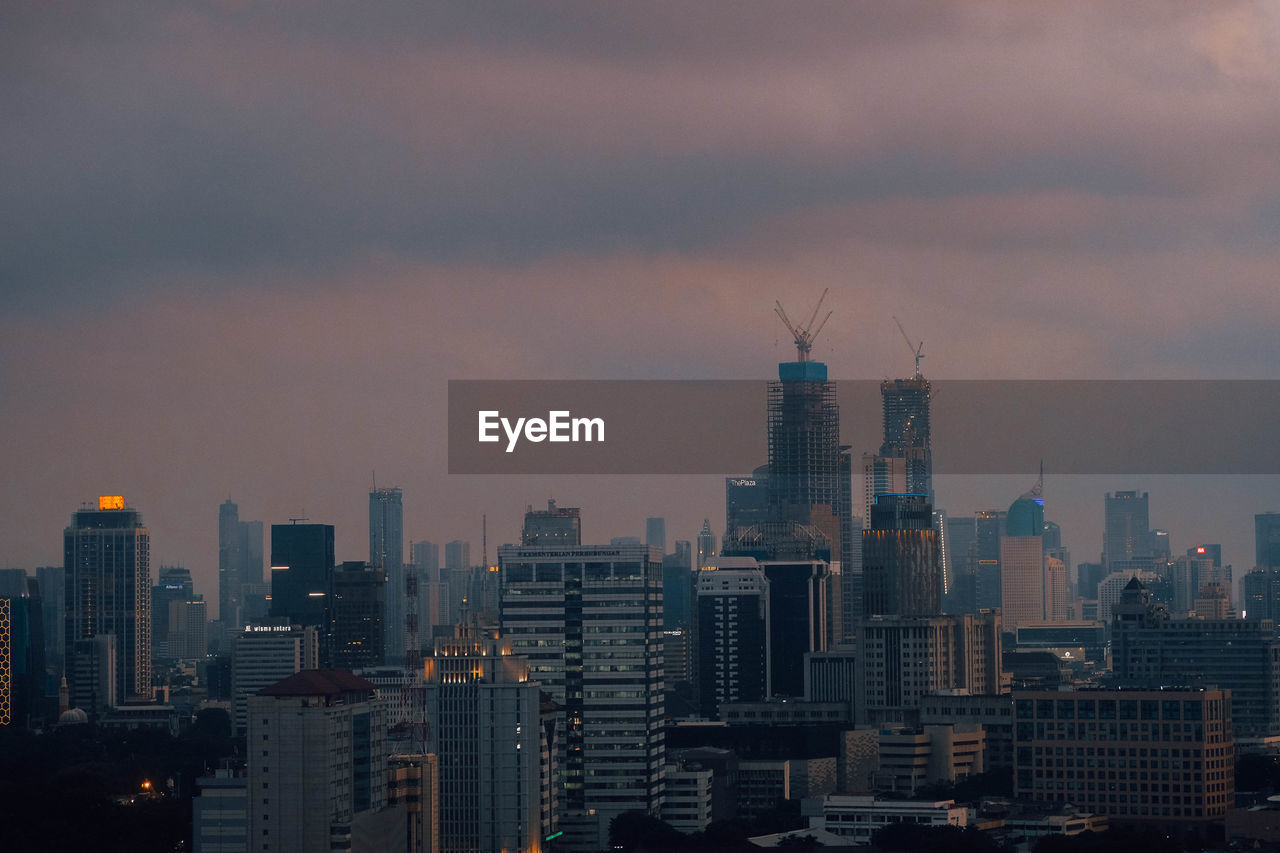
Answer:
(244, 246)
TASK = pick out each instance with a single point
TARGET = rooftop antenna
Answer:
(804, 335)
(918, 351)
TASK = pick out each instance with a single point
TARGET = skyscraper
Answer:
(589, 620)
(1127, 530)
(485, 726)
(706, 544)
(733, 634)
(318, 771)
(301, 573)
(107, 556)
(357, 616)
(900, 559)
(239, 563)
(655, 533)
(1022, 561)
(386, 552)
(1266, 527)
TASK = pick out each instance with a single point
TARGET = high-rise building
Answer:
(655, 533)
(1022, 561)
(798, 614)
(188, 630)
(1266, 526)
(903, 659)
(810, 479)
(426, 555)
(962, 539)
(457, 555)
(386, 552)
(900, 559)
(318, 766)
(907, 431)
(357, 608)
(746, 502)
(706, 545)
(301, 573)
(53, 593)
(677, 587)
(589, 620)
(1150, 649)
(733, 634)
(22, 658)
(1186, 733)
(989, 530)
(239, 562)
(174, 585)
(1127, 528)
(107, 555)
(261, 655)
(484, 728)
(555, 525)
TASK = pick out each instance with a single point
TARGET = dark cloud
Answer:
(243, 246)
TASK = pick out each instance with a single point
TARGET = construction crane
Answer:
(917, 351)
(803, 335)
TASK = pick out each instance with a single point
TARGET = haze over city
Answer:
(244, 249)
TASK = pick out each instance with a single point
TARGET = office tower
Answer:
(1266, 526)
(589, 620)
(733, 634)
(1060, 586)
(386, 552)
(457, 555)
(357, 617)
(53, 595)
(426, 555)
(484, 728)
(261, 655)
(229, 563)
(900, 561)
(555, 525)
(22, 658)
(1185, 734)
(1088, 576)
(961, 547)
(746, 502)
(1158, 546)
(989, 528)
(1150, 649)
(239, 562)
(706, 544)
(655, 533)
(301, 573)
(1057, 591)
(798, 616)
(174, 585)
(881, 476)
(188, 635)
(107, 555)
(1127, 528)
(677, 587)
(903, 659)
(318, 766)
(1022, 561)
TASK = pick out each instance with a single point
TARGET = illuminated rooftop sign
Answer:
(111, 502)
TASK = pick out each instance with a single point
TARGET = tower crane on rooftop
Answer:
(804, 335)
(917, 351)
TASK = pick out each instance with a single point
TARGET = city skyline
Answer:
(247, 249)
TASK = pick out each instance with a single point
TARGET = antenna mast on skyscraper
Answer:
(917, 351)
(804, 335)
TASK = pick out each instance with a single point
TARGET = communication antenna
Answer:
(804, 335)
(916, 350)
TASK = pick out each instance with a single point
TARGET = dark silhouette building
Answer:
(301, 573)
(900, 561)
(357, 617)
